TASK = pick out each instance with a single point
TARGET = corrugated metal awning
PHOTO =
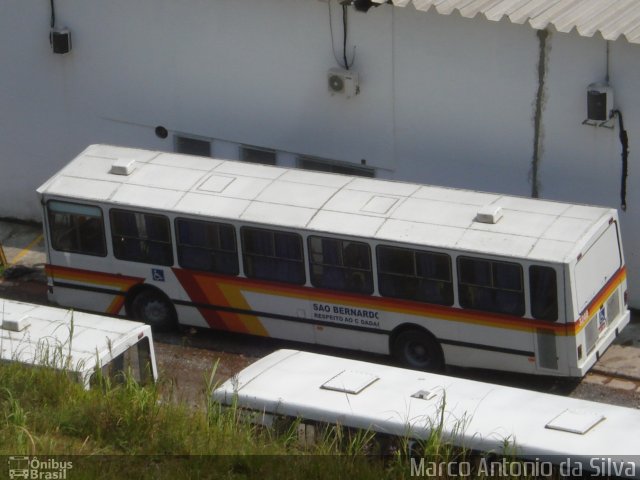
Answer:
(611, 18)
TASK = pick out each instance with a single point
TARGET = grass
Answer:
(44, 413)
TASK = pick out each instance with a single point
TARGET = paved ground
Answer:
(22, 243)
(24, 250)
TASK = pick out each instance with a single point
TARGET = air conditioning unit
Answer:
(343, 82)
(599, 102)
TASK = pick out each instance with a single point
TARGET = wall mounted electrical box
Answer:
(599, 102)
(60, 40)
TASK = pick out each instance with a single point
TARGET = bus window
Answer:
(340, 265)
(272, 255)
(141, 237)
(415, 275)
(491, 286)
(206, 246)
(544, 293)
(76, 228)
(135, 361)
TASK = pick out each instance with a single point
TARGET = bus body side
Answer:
(525, 343)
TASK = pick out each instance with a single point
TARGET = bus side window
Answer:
(415, 275)
(134, 362)
(544, 293)
(340, 265)
(141, 237)
(272, 255)
(76, 228)
(206, 246)
(491, 286)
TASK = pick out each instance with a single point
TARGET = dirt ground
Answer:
(187, 372)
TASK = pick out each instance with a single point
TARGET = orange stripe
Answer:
(116, 305)
(601, 297)
(211, 290)
(228, 292)
(233, 288)
(120, 282)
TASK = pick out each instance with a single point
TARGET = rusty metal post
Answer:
(3, 259)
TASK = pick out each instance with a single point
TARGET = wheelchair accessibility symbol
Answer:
(157, 275)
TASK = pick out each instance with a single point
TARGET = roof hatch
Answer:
(575, 421)
(349, 381)
(424, 394)
(216, 183)
(16, 325)
(490, 214)
(379, 204)
(123, 166)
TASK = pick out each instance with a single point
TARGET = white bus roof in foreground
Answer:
(64, 339)
(322, 202)
(395, 401)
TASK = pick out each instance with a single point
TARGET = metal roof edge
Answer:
(564, 15)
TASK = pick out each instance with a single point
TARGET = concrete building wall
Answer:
(444, 99)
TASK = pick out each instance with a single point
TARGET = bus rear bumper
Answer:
(603, 344)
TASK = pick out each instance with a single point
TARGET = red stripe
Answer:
(197, 295)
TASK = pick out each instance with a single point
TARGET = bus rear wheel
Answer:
(155, 309)
(419, 350)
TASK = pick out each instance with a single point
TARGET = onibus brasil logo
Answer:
(38, 469)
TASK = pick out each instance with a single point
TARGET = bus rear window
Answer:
(76, 228)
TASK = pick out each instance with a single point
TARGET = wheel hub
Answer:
(155, 312)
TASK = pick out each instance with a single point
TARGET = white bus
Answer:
(430, 275)
(76, 342)
(576, 436)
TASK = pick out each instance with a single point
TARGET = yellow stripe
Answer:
(27, 249)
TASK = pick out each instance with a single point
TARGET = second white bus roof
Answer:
(64, 339)
(396, 401)
(322, 202)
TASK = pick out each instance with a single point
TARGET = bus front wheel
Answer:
(419, 350)
(153, 308)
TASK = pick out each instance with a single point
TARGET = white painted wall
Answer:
(444, 100)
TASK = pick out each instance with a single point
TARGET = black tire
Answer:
(155, 309)
(417, 349)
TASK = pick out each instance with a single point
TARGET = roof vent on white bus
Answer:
(579, 422)
(16, 325)
(349, 381)
(123, 166)
(425, 394)
(489, 214)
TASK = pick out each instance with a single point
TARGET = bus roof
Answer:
(322, 202)
(63, 339)
(395, 401)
